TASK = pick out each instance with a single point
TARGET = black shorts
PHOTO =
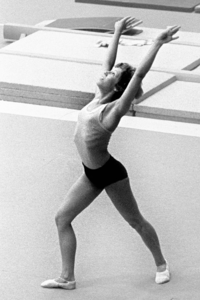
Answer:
(109, 173)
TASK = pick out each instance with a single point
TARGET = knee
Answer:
(137, 223)
(63, 219)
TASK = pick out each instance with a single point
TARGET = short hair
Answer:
(127, 74)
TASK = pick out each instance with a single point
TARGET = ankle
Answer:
(162, 268)
(67, 277)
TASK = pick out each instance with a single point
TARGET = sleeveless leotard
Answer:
(91, 137)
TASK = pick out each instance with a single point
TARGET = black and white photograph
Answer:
(100, 149)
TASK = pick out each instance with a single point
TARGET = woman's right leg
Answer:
(81, 194)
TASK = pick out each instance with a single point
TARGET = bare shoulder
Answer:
(110, 116)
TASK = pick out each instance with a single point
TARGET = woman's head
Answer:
(117, 80)
(126, 75)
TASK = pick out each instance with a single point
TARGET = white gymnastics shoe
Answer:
(52, 283)
(164, 276)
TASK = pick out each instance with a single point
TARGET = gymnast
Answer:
(116, 88)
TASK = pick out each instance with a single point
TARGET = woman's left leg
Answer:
(122, 197)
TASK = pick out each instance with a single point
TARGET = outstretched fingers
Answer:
(173, 30)
(130, 21)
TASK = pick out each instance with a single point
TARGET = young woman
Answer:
(116, 88)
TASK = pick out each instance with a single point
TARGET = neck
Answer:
(104, 97)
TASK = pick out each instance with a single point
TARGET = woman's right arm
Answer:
(123, 104)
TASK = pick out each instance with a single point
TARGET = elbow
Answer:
(140, 75)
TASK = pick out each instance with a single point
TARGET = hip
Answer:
(111, 172)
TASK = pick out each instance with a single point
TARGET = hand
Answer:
(168, 35)
(124, 24)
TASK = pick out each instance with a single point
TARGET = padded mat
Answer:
(106, 23)
(175, 5)
(101, 24)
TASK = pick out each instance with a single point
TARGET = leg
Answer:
(81, 194)
(121, 195)
(78, 198)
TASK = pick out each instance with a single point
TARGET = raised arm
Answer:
(120, 26)
(131, 91)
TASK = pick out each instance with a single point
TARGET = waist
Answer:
(94, 154)
(94, 159)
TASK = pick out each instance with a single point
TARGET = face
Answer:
(109, 79)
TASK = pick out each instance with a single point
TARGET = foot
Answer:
(59, 283)
(162, 274)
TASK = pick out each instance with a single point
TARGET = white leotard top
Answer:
(91, 137)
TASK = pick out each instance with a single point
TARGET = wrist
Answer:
(158, 43)
(118, 31)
